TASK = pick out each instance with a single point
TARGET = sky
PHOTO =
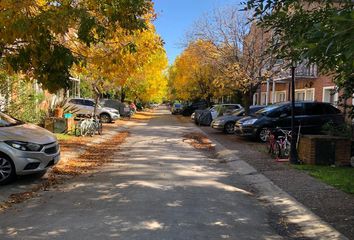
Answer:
(176, 17)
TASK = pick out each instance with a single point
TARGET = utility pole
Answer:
(293, 150)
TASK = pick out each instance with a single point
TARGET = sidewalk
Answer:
(332, 205)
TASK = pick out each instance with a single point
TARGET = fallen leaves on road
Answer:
(93, 157)
(142, 116)
(198, 141)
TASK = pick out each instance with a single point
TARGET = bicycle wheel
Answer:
(85, 127)
(277, 150)
(91, 128)
(286, 151)
(78, 129)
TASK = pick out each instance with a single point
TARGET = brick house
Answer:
(309, 85)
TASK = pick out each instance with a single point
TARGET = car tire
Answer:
(263, 135)
(7, 170)
(105, 118)
(229, 128)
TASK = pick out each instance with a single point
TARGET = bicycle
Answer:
(279, 143)
(88, 127)
(283, 145)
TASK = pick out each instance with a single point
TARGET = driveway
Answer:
(156, 187)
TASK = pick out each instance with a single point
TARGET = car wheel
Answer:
(229, 128)
(105, 118)
(263, 135)
(7, 170)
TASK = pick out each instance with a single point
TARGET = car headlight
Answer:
(25, 146)
(249, 122)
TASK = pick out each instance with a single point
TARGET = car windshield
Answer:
(177, 105)
(7, 121)
(266, 110)
(238, 112)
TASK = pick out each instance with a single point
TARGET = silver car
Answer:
(87, 106)
(25, 149)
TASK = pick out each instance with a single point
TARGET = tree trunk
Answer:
(122, 95)
(97, 97)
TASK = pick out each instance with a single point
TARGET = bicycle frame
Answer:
(279, 146)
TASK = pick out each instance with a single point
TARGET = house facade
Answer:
(309, 86)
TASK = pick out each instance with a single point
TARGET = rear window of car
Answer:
(314, 109)
(320, 109)
(329, 109)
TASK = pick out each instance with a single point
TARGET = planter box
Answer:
(324, 150)
(59, 125)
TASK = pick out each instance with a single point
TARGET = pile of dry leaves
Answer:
(198, 141)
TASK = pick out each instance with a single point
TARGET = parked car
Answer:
(311, 116)
(227, 122)
(86, 107)
(189, 109)
(176, 108)
(123, 108)
(205, 117)
(25, 149)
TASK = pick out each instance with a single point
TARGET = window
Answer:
(263, 98)
(330, 95)
(314, 109)
(310, 94)
(280, 96)
(307, 94)
(329, 109)
(89, 103)
(300, 95)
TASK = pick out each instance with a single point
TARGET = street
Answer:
(156, 187)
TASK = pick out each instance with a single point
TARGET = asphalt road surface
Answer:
(157, 187)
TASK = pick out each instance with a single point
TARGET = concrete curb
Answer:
(311, 226)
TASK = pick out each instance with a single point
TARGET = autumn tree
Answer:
(33, 33)
(193, 73)
(129, 62)
(241, 49)
(149, 83)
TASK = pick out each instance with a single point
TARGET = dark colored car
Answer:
(176, 108)
(226, 123)
(309, 116)
(189, 109)
(205, 117)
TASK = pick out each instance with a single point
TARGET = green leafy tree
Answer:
(321, 32)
